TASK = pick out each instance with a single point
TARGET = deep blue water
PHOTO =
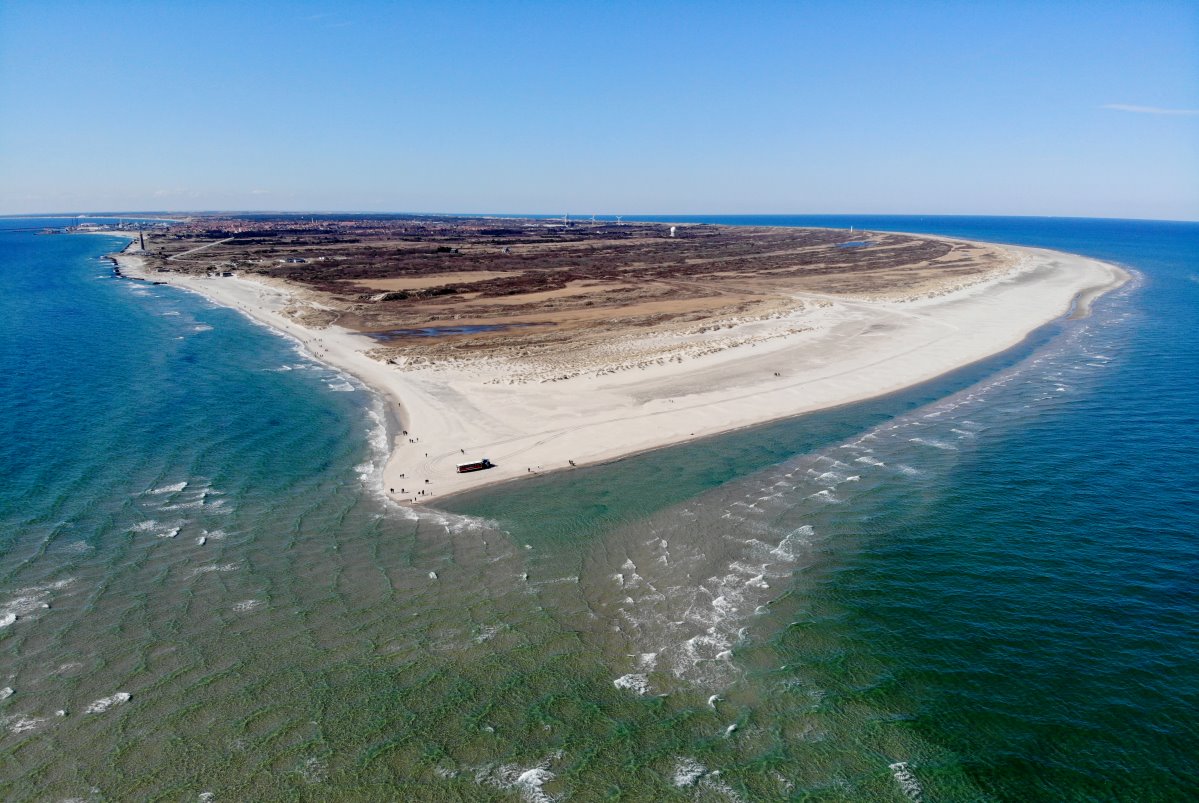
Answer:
(990, 578)
(1048, 594)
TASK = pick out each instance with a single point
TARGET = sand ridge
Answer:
(626, 395)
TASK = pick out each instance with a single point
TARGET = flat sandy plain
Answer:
(540, 345)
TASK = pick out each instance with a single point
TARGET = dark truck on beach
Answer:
(474, 465)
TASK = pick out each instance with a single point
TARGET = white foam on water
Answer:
(21, 723)
(791, 546)
(690, 774)
(830, 478)
(144, 526)
(184, 505)
(168, 489)
(527, 782)
(689, 624)
(687, 772)
(105, 703)
(574, 578)
(487, 633)
(530, 782)
(909, 784)
(171, 533)
(711, 781)
(214, 567)
(747, 570)
(203, 327)
(370, 472)
(216, 506)
(452, 523)
(29, 600)
(636, 682)
(690, 609)
(936, 444)
(341, 387)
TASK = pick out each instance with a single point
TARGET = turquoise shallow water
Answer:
(982, 588)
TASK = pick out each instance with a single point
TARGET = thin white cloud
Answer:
(1124, 107)
(260, 192)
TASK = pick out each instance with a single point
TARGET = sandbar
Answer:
(828, 350)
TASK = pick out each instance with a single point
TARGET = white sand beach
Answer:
(833, 351)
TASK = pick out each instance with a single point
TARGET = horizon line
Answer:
(581, 217)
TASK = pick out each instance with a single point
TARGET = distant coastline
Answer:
(845, 351)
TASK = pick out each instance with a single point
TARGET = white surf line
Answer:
(909, 784)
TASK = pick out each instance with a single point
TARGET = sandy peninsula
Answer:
(636, 388)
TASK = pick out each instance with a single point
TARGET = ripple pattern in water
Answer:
(981, 589)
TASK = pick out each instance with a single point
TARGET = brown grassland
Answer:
(541, 286)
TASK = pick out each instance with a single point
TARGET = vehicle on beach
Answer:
(474, 465)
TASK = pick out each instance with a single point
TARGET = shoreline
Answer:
(838, 351)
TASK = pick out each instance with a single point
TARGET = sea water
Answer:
(980, 588)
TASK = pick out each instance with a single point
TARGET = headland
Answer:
(545, 345)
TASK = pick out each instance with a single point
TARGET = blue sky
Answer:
(1025, 108)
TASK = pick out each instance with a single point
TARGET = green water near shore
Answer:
(911, 598)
